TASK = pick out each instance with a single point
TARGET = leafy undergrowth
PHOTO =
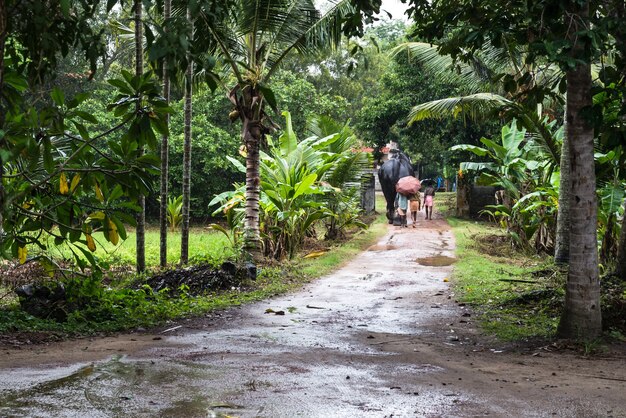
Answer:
(129, 302)
(613, 302)
(519, 298)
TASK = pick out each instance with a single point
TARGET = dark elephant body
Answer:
(398, 166)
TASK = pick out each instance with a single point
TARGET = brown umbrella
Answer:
(408, 185)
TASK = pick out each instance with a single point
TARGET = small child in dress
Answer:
(415, 203)
(429, 197)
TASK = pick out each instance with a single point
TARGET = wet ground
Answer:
(381, 337)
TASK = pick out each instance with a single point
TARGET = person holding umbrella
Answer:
(407, 188)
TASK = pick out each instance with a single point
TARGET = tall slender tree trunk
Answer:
(3, 36)
(248, 103)
(167, 12)
(563, 221)
(141, 216)
(582, 316)
(184, 240)
(621, 252)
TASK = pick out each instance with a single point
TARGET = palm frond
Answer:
(472, 107)
(474, 77)
(349, 169)
(322, 33)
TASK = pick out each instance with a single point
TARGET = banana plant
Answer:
(174, 212)
(291, 172)
(296, 189)
(610, 203)
(530, 186)
(346, 177)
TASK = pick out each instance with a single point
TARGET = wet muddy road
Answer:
(382, 337)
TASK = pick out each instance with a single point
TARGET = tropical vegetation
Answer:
(109, 111)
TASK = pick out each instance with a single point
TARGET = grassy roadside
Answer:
(517, 297)
(121, 307)
(204, 244)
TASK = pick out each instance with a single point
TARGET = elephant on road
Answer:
(398, 166)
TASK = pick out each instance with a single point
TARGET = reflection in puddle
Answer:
(436, 261)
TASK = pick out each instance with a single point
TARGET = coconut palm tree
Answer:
(485, 98)
(252, 42)
(581, 316)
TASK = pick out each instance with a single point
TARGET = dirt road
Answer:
(382, 337)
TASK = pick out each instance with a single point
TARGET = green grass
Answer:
(445, 203)
(512, 311)
(204, 244)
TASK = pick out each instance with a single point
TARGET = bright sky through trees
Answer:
(395, 7)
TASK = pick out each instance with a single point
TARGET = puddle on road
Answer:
(118, 388)
(436, 261)
(382, 247)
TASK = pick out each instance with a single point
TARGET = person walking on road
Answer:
(415, 203)
(402, 206)
(429, 197)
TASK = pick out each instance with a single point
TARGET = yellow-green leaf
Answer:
(114, 237)
(97, 215)
(63, 189)
(90, 243)
(99, 194)
(75, 181)
(21, 254)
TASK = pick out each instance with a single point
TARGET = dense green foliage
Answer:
(72, 141)
(299, 180)
(384, 118)
(528, 180)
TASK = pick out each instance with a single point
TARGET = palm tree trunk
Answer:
(581, 316)
(561, 248)
(141, 216)
(167, 11)
(184, 239)
(252, 139)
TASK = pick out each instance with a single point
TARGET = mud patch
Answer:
(198, 279)
(436, 261)
(383, 247)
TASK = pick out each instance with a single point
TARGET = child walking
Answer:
(415, 203)
(429, 197)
